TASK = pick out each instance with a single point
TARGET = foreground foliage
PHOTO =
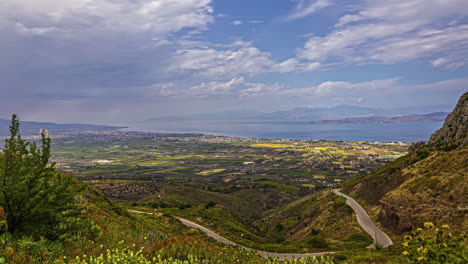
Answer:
(35, 199)
(436, 245)
(129, 256)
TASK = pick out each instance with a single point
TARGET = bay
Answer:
(381, 132)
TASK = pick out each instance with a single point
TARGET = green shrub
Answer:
(317, 242)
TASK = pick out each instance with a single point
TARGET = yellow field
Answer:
(272, 145)
(321, 177)
(209, 172)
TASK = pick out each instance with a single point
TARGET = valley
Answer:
(230, 184)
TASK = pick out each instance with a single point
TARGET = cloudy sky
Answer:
(127, 60)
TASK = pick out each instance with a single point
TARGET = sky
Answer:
(108, 61)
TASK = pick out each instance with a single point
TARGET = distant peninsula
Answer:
(29, 128)
(427, 118)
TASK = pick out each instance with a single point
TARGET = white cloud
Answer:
(92, 44)
(76, 17)
(449, 63)
(392, 31)
(237, 22)
(304, 8)
(239, 58)
(237, 87)
(333, 87)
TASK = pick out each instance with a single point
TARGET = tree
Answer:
(37, 200)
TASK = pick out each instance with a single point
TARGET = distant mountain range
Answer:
(307, 114)
(427, 118)
(29, 128)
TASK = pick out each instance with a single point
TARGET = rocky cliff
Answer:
(454, 131)
(428, 184)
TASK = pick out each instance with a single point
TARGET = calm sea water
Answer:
(409, 132)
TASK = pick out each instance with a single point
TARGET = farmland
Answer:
(143, 163)
(227, 183)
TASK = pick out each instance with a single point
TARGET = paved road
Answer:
(265, 254)
(362, 217)
(366, 223)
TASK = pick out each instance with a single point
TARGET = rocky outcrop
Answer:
(454, 131)
(426, 185)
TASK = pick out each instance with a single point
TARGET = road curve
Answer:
(363, 219)
(265, 254)
(380, 238)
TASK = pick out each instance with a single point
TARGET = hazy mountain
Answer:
(305, 114)
(427, 118)
(29, 128)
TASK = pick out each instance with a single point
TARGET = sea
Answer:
(381, 132)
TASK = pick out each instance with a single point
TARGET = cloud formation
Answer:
(393, 31)
(100, 58)
(304, 8)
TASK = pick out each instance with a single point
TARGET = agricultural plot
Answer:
(131, 158)
(227, 183)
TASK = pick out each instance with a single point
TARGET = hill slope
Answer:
(428, 184)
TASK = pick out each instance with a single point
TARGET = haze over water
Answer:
(384, 132)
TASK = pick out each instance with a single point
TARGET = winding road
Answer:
(380, 238)
(363, 219)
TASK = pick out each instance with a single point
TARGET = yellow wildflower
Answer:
(405, 244)
(428, 225)
(445, 226)
(420, 258)
(406, 253)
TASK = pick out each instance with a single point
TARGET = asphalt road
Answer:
(362, 217)
(265, 254)
(366, 223)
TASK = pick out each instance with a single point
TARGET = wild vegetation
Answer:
(436, 245)
(47, 216)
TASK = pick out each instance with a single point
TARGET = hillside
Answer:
(320, 220)
(110, 232)
(428, 184)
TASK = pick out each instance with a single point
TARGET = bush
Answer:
(209, 204)
(37, 200)
(317, 242)
(434, 245)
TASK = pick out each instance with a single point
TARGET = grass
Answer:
(280, 186)
(268, 145)
(210, 172)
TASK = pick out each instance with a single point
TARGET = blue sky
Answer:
(126, 60)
